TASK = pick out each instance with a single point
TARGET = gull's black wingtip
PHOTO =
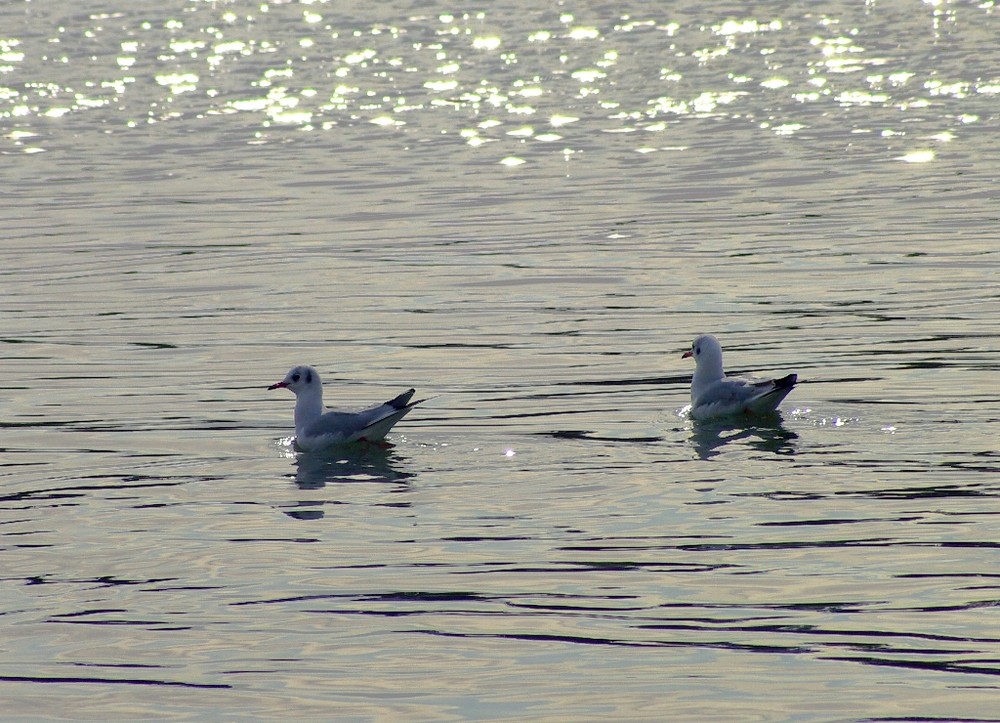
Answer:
(401, 402)
(786, 382)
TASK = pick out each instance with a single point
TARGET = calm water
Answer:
(527, 214)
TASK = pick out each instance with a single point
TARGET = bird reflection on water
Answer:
(766, 434)
(350, 464)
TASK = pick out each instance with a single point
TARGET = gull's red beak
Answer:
(279, 385)
(685, 355)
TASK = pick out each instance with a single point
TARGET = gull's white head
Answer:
(299, 379)
(707, 355)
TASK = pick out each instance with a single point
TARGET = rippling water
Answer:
(527, 213)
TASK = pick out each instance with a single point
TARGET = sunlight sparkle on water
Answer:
(589, 75)
(441, 85)
(787, 129)
(486, 43)
(387, 121)
(179, 82)
(584, 33)
(253, 104)
(292, 119)
(529, 92)
(860, 97)
(233, 46)
(561, 120)
(923, 156)
(286, 446)
(359, 57)
(186, 46)
(734, 27)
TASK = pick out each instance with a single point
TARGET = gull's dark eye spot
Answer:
(697, 350)
(295, 377)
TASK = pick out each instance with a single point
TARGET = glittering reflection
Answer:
(306, 67)
(9, 53)
(922, 156)
(178, 82)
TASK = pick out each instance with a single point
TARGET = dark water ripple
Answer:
(810, 639)
(92, 680)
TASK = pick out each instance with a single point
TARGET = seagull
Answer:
(315, 429)
(713, 394)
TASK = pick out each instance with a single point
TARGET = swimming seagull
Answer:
(713, 394)
(315, 429)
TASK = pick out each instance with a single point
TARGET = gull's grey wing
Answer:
(370, 424)
(733, 395)
(730, 391)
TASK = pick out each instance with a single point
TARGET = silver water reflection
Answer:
(511, 82)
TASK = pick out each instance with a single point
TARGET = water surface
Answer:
(526, 213)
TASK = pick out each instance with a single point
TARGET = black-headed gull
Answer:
(713, 394)
(316, 429)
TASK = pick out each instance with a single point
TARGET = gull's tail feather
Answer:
(769, 401)
(380, 427)
(399, 407)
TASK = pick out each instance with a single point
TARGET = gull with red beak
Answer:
(713, 394)
(317, 429)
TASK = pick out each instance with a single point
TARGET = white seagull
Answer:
(316, 429)
(713, 394)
